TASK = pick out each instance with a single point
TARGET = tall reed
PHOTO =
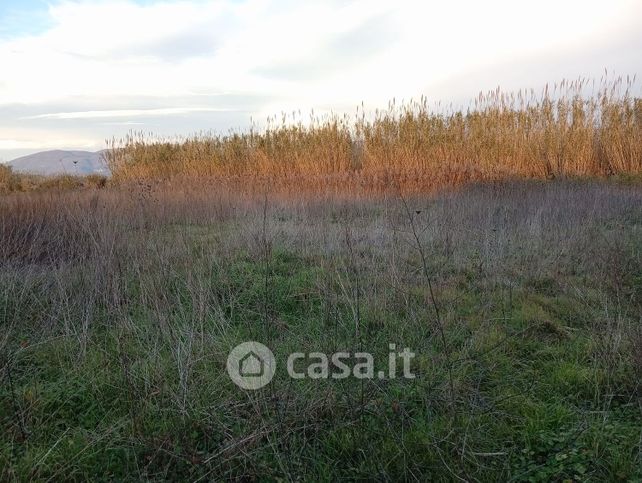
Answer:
(578, 128)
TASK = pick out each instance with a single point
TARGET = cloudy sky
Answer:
(75, 72)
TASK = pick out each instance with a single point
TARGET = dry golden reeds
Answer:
(570, 129)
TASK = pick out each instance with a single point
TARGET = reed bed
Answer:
(573, 128)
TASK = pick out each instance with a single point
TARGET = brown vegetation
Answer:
(570, 129)
(521, 299)
(118, 308)
(12, 182)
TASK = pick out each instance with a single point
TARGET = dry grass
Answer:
(118, 308)
(12, 182)
(6, 179)
(522, 300)
(570, 129)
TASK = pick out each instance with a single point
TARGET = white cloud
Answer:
(296, 55)
(126, 113)
(17, 144)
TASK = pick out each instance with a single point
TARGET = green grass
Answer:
(533, 404)
(545, 386)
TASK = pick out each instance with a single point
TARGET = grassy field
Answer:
(502, 245)
(521, 299)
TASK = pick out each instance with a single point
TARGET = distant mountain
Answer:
(62, 162)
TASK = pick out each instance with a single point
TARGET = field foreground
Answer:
(521, 300)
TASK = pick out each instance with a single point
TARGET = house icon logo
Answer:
(251, 365)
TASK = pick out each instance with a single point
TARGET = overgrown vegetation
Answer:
(118, 308)
(12, 182)
(579, 128)
(521, 299)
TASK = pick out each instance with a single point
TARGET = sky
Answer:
(74, 73)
